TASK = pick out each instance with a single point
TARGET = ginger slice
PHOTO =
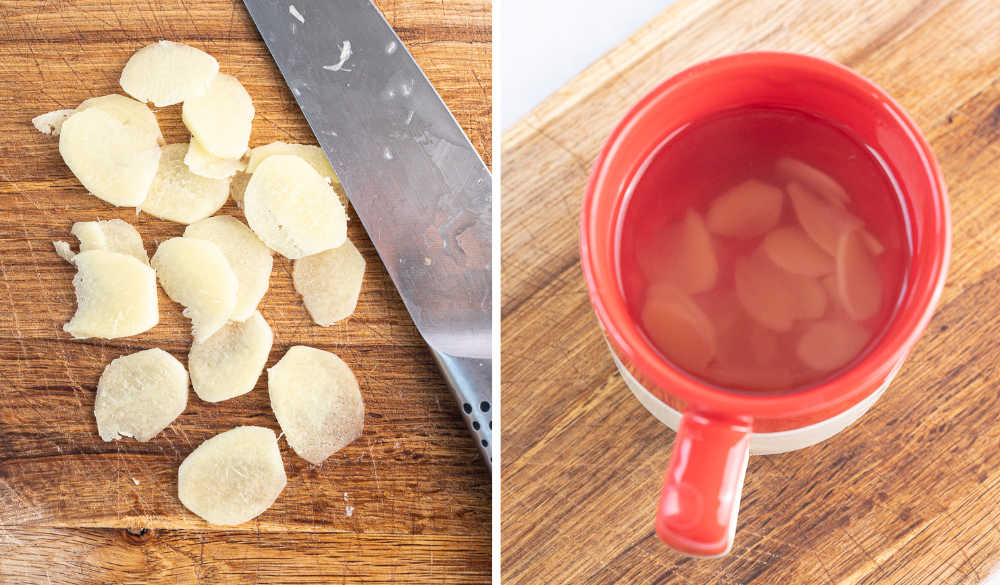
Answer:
(221, 118)
(228, 363)
(811, 298)
(139, 395)
(859, 283)
(312, 154)
(684, 256)
(315, 397)
(114, 161)
(127, 111)
(292, 209)
(764, 292)
(205, 164)
(794, 170)
(196, 274)
(330, 282)
(168, 73)
(678, 327)
(179, 195)
(113, 235)
(828, 345)
(747, 210)
(115, 296)
(51, 122)
(233, 477)
(249, 258)
(791, 249)
(822, 222)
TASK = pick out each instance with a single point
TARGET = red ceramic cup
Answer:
(718, 429)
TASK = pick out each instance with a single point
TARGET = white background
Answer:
(547, 42)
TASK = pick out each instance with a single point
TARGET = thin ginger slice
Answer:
(127, 111)
(196, 274)
(221, 118)
(794, 170)
(828, 345)
(168, 73)
(764, 292)
(822, 222)
(179, 195)
(228, 363)
(859, 282)
(791, 249)
(113, 235)
(747, 210)
(115, 296)
(678, 327)
(330, 282)
(205, 164)
(139, 395)
(684, 256)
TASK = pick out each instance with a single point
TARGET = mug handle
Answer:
(701, 491)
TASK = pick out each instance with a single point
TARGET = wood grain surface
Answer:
(408, 502)
(908, 494)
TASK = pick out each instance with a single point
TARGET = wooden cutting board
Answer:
(908, 494)
(409, 501)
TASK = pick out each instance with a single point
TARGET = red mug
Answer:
(717, 429)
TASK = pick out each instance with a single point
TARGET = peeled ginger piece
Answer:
(764, 293)
(313, 155)
(822, 222)
(793, 170)
(684, 256)
(859, 283)
(179, 195)
(811, 297)
(203, 163)
(113, 235)
(330, 282)
(139, 394)
(221, 118)
(791, 249)
(51, 122)
(747, 210)
(228, 363)
(127, 111)
(828, 345)
(249, 258)
(678, 327)
(233, 477)
(168, 73)
(196, 274)
(292, 209)
(114, 161)
(315, 397)
(115, 296)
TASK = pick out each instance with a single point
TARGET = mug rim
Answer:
(833, 394)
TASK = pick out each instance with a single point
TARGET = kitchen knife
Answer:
(414, 179)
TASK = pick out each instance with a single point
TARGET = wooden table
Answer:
(74, 509)
(907, 495)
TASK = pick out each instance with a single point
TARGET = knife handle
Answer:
(470, 380)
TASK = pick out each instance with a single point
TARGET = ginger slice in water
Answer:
(678, 327)
(195, 273)
(179, 195)
(811, 298)
(127, 111)
(859, 283)
(684, 256)
(139, 394)
(821, 221)
(292, 209)
(794, 170)
(51, 122)
(747, 210)
(791, 249)
(115, 296)
(828, 345)
(233, 477)
(330, 282)
(764, 292)
(114, 161)
(112, 235)
(168, 73)
(228, 363)
(221, 118)
(205, 164)
(250, 260)
(315, 397)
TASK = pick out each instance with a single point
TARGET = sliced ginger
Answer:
(139, 395)
(330, 282)
(828, 345)
(228, 363)
(859, 283)
(790, 248)
(794, 170)
(127, 111)
(196, 274)
(678, 327)
(168, 73)
(51, 122)
(114, 161)
(115, 296)
(312, 154)
(764, 292)
(233, 477)
(315, 397)
(221, 118)
(179, 195)
(205, 164)
(113, 235)
(747, 210)
(822, 222)
(292, 209)
(684, 256)
(249, 258)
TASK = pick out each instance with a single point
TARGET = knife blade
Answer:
(416, 182)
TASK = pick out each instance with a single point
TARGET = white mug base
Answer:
(763, 443)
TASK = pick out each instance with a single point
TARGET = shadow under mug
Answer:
(717, 429)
